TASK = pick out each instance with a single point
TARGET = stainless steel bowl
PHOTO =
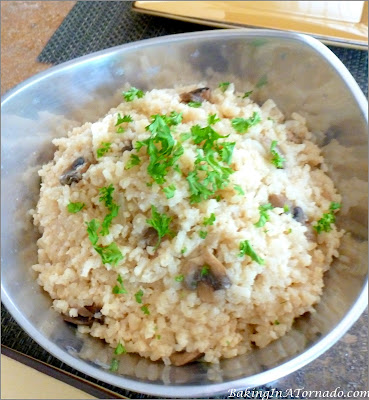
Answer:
(299, 73)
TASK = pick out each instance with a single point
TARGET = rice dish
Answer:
(186, 223)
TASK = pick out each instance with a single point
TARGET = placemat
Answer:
(95, 25)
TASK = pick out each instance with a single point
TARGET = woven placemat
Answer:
(95, 25)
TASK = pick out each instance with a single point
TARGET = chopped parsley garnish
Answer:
(226, 151)
(246, 249)
(185, 136)
(119, 289)
(105, 147)
(324, 223)
(277, 159)
(204, 270)
(132, 94)
(169, 191)
(218, 198)
(262, 81)
(121, 120)
(203, 234)
(206, 135)
(160, 222)
(133, 160)
(213, 119)
(164, 155)
(264, 217)
(106, 195)
(184, 250)
(242, 125)
(114, 365)
(210, 220)
(179, 278)
(194, 104)
(138, 296)
(158, 337)
(289, 231)
(177, 169)
(286, 208)
(174, 118)
(247, 94)
(239, 189)
(145, 310)
(224, 86)
(276, 322)
(75, 207)
(109, 254)
(120, 349)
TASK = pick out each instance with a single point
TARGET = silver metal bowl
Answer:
(300, 74)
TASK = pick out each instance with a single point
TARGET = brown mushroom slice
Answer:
(94, 309)
(127, 146)
(151, 237)
(192, 272)
(197, 95)
(184, 357)
(299, 215)
(205, 292)
(278, 200)
(74, 172)
(217, 277)
(78, 320)
(85, 312)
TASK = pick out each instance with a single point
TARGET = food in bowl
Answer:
(186, 223)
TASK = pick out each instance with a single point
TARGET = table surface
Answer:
(26, 26)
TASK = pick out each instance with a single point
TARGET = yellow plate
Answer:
(341, 23)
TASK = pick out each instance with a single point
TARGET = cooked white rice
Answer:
(263, 299)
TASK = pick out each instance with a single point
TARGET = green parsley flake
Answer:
(145, 310)
(119, 289)
(174, 118)
(114, 365)
(105, 147)
(264, 217)
(224, 86)
(120, 129)
(132, 94)
(277, 159)
(276, 322)
(108, 219)
(262, 81)
(242, 125)
(120, 349)
(210, 220)
(75, 207)
(158, 337)
(164, 155)
(133, 160)
(185, 136)
(177, 169)
(218, 198)
(324, 224)
(121, 120)
(239, 189)
(227, 151)
(106, 195)
(247, 94)
(246, 249)
(203, 234)
(286, 208)
(194, 104)
(138, 296)
(207, 135)
(213, 119)
(205, 270)
(184, 250)
(160, 222)
(289, 231)
(179, 278)
(169, 191)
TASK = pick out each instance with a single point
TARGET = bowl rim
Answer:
(198, 390)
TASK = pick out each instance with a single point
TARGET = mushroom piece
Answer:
(299, 215)
(74, 172)
(197, 95)
(127, 146)
(215, 277)
(184, 357)
(87, 315)
(151, 237)
(79, 320)
(278, 200)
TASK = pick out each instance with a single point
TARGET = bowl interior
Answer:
(299, 74)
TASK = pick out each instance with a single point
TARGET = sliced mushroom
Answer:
(74, 172)
(278, 200)
(127, 146)
(197, 95)
(206, 283)
(78, 320)
(299, 215)
(85, 312)
(151, 237)
(94, 309)
(182, 358)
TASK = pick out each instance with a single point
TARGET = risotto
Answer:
(186, 223)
